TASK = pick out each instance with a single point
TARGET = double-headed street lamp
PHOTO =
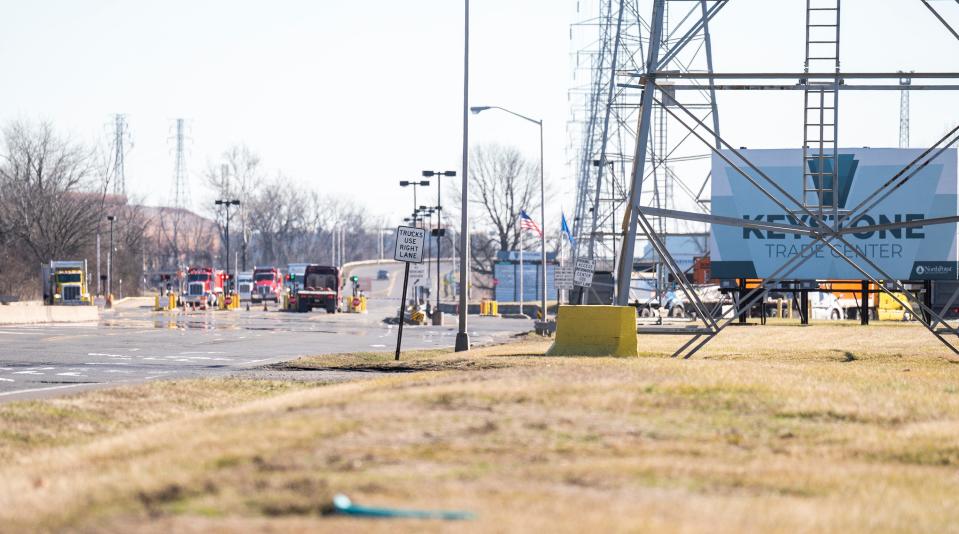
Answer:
(414, 183)
(226, 205)
(542, 196)
(439, 223)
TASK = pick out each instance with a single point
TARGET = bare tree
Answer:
(237, 176)
(502, 184)
(48, 201)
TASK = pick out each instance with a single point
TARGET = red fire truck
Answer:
(204, 286)
(268, 284)
(320, 288)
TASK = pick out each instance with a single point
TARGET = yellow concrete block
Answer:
(595, 331)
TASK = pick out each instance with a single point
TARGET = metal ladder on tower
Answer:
(821, 108)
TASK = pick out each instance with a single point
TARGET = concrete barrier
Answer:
(37, 313)
(595, 331)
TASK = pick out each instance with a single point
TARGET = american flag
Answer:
(527, 223)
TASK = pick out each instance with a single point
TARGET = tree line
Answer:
(55, 200)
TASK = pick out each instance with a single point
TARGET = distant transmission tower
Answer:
(904, 82)
(181, 190)
(121, 136)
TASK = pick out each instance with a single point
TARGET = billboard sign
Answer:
(916, 253)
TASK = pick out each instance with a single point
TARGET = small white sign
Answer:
(563, 277)
(409, 244)
(583, 273)
(418, 270)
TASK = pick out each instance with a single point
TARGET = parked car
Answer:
(382, 274)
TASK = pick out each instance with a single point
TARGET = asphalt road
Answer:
(132, 343)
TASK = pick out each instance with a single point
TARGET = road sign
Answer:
(409, 244)
(563, 277)
(583, 273)
(418, 270)
(409, 249)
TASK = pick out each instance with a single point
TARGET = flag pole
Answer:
(521, 273)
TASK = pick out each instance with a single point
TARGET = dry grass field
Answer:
(776, 428)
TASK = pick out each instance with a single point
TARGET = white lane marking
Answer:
(378, 346)
(16, 333)
(27, 373)
(6, 379)
(108, 355)
(19, 391)
(69, 374)
(204, 352)
(105, 363)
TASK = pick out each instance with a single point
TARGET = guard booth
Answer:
(506, 273)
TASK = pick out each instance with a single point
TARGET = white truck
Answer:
(244, 285)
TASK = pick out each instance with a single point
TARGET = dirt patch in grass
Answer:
(744, 438)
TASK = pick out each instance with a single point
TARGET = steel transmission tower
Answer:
(121, 137)
(615, 47)
(904, 82)
(181, 190)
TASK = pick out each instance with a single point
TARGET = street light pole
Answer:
(110, 218)
(226, 205)
(439, 224)
(462, 337)
(542, 198)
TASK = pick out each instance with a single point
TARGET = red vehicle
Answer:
(320, 289)
(267, 284)
(204, 286)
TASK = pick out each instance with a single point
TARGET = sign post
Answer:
(409, 249)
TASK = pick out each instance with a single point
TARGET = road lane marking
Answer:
(378, 346)
(6, 379)
(19, 391)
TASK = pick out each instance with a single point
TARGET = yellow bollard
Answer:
(493, 308)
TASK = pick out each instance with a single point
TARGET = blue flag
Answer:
(566, 232)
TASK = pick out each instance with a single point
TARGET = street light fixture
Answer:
(414, 183)
(542, 196)
(226, 205)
